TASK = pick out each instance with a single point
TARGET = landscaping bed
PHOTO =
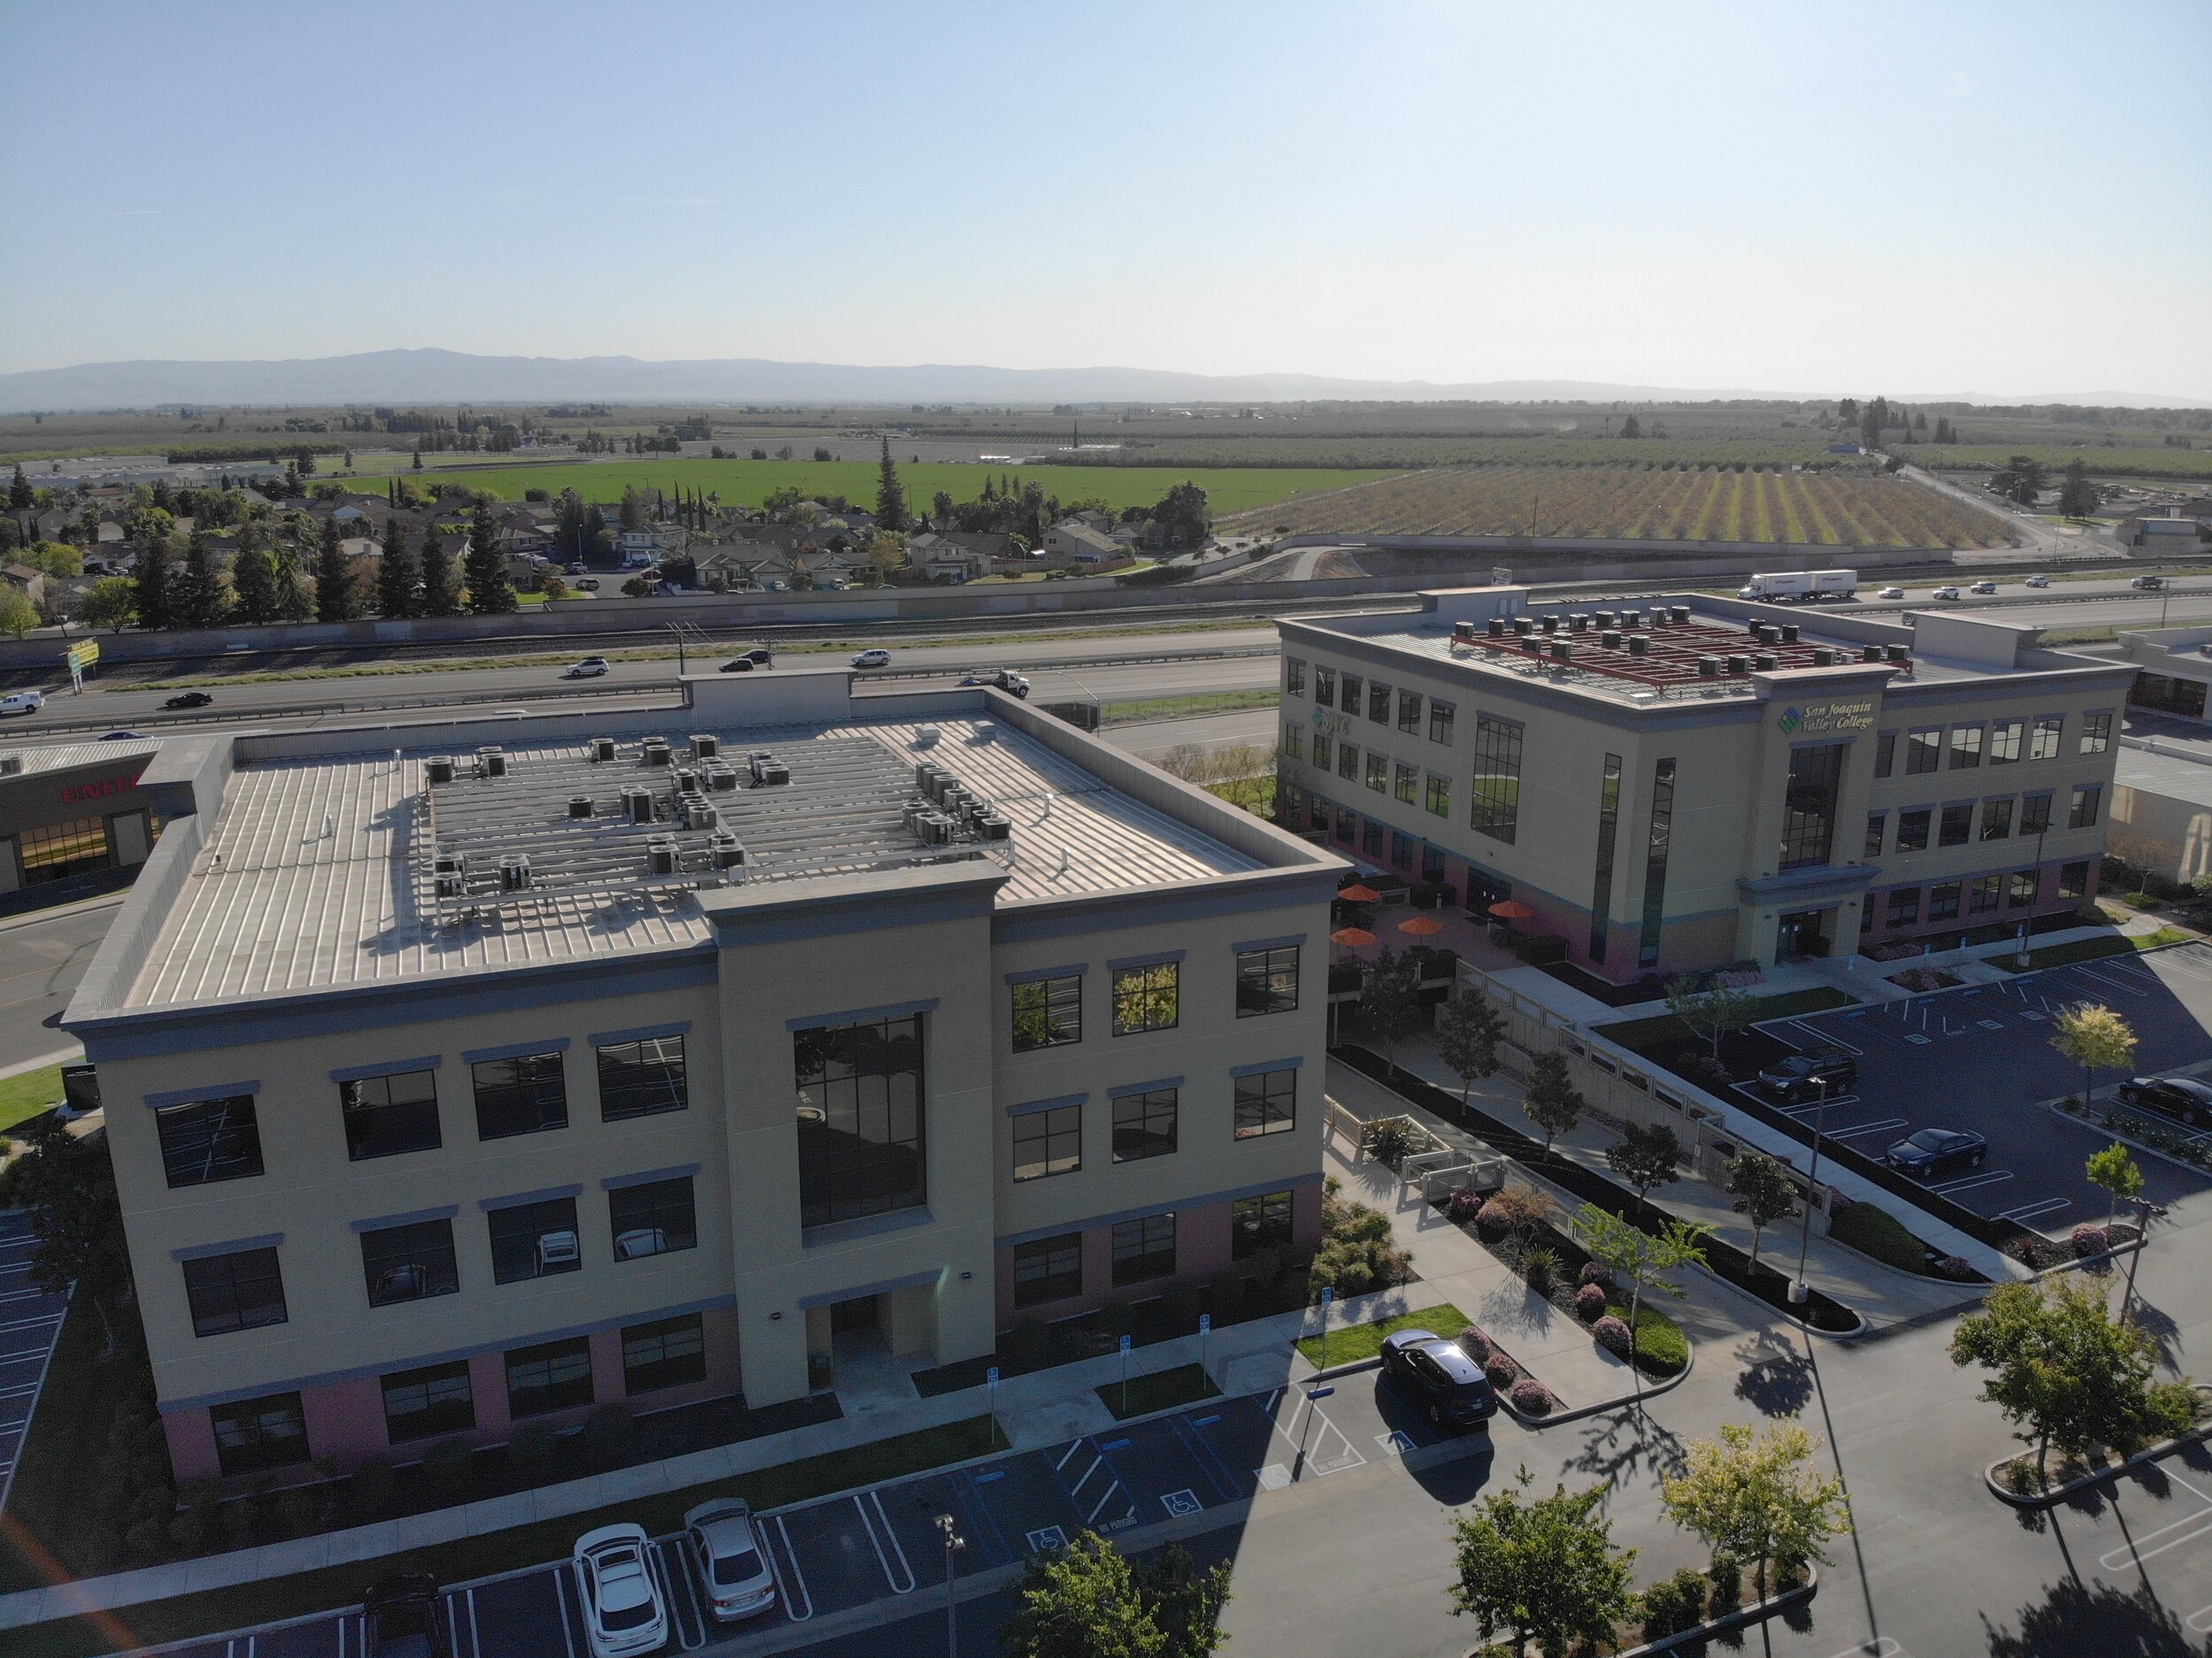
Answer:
(1162, 1390)
(1676, 1612)
(1351, 1343)
(2020, 1481)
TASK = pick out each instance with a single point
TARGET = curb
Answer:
(2040, 1501)
(2081, 1119)
(1651, 1392)
(1757, 1612)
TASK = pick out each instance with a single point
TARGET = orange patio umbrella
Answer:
(1511, 909)
(1356, 893)
(1421, 927)
(1351, 938)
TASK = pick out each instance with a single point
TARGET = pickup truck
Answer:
(1001, 679)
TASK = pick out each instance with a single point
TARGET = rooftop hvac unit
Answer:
(1522, 626)
(1632, 619)
(452, 884)
(1824, 656)
(1740, 664)
(986, 730)
(602, 750)
(705, 745)
(438, 769)
(656, 751)
(580, 805)
(491, 762)
(767, 770)
(1872, 653)
(1766, 662)
(11, 765)
(1549, 624)
(699, 815)
(660, 857)
(1789, 633)
(1578, 622)
(1900, 654)
(1681, 615)
(637, 804)
(1768, 634)
(720, 778)
(924, 735)
(1561, 651)
(728, 855)
(1497, 627)
(1605, 620)
(1610, 639)
(1464, 633)
(1752, 625)
(994, 825)
(1708, 667)
(514, 874)
(1638, 645)
(937, 829)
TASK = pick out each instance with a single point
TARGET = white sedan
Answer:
(1892, 592)
(1944, 593)
(877, 658)
(623, 1614)
(738, 1581)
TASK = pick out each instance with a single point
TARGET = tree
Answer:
(1632, 427)
(54, 558)
(151, 584)
(1641, 1257)
(253, 583)
(17, 614)
(1390, 1000)
(632, 509)
(1764, 1191)
(20, 494)
(2077, 496)
(1468, 1031)
(890, 495)
(2071, 1377)
(1945, 432)
(1546, 1570)
(2019, 480)
(1752, 1497)
(1712, 1012)
(887, 553)
(441, 586)
(66, 1184)
(1185, 1602)
(1646, 1157)
(1552, 1101)
(941, 508)
(333, 577)
(1182, 512)
(2118, 1174)
(485, 569)
(112, 603)
(398, 575)
(2096, 1039)
(197, 591)
(293, 602)
(1087, 1600)
(1870, 428)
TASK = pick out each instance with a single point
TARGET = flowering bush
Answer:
(1465, 1204)
(2090, 1240)
(1533, 1396)
(1957, 1268)
(1597, 1272)
(1475, 1344)
(1501, 1371)
(1491, 1218)
(1590, 1304)
(1611, 1334)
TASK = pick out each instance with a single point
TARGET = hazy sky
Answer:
(2010, 198)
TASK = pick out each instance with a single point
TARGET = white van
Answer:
(22, 702)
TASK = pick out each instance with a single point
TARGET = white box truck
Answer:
(1801, 584)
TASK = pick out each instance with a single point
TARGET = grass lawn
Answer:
(1162, 1390)
(29, 1095)
(1662, 1028)
(2092, 949)
(1364, 1341)
(1152, 708)
(500, 1551)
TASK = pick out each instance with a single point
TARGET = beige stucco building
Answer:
(490, 1070)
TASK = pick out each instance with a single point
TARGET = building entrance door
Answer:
(1802, 933)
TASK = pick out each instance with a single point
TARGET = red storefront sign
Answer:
(72, 794)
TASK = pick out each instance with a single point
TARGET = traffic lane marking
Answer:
(1023, 1494)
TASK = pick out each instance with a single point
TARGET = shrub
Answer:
(2090, 1240)
(1501, 1371)
(295, 1511)
(1541, 1268)
(1533, 1396)
(1475, 1344)
(1598, 1273)
(445, 1470)
(1673, 1604)
(373, 1489)
(1873, 1231)
(187, 1533)
(609, 1432)
(1465, 1204)
(1389, 1140)
(1517, 1208)
(1490, 1219)
(1590, 1304)
(1611, 1334)
(530, 1449)
(1180, 1304)
(1024, 1343)
(1660, 1346)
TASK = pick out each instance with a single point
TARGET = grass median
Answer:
(1162, 1390)
(2092, 949)
(1355, 1342)
(27, 1095)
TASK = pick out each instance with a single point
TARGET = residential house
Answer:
(1071, 541)
(28, 582)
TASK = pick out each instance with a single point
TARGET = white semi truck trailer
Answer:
(1801, 584)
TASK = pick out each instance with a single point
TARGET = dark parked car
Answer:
(1935, 1152)
(1799, 1076)
(2182, 1098)
(1437, 1376)
(189, 699)
(737, 664)
(402, 1619)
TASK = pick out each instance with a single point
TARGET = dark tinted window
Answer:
(1048, 1142)
(1267, 1104)
(241, 1291)
(1267, 981)
(861, 1130)
(209, 1140)
(419, 1404)
(1048, 1012)
(519, 1096)
(655, 1218)
(1259, 1222)
(667, 1353)
(642, 1078)
(1144, 1249)
(1144, 1124)
(387, 1115)
(1049, 1270)
(554, 1376)
(251, 1435)
(531, 1240)
(408, 1263)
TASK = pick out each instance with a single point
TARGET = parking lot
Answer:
(1980, 1059)
(30, 1321)
(842, 1552)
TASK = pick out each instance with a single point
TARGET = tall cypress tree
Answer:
(333, 581)
(19, 489)
(195, 592)
(490, 592)
(890, 495)
(402, 569)
(153, 603)
(253, 581)
(441, 592)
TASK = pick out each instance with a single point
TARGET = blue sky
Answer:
(1934, 198)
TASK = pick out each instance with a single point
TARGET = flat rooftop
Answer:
(63, 757)
(330, 870)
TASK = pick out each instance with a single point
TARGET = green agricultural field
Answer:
(2136, 462)
(1228, 489)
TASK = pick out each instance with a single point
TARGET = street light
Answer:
(954, 1544)
(1801, 1292)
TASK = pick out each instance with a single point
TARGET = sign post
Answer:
(1125, 1376)
(1205, 1323)
(1327, 1295)
(990, 1395)
(79, 657)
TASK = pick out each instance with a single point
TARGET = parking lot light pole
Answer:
(1801, 1292)
(954, 1544)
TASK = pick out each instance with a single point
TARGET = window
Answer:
(1923, 749)
(1877, 828)
(1378, 703)
(1407, 783)
(1943, 902)
(2073, 881)
(1378, 772)
(1997, 818)
(655, 1218)
(1351, 698)
(1322, 752)
(1409, 713)
(1912, 829)
(1982, 897)
(1497, 793)
(1609, 830)
(2050, 729)
(1323, 685)
(1656, 848)
(410, 1263)
(1048, 1142)
(526, 1095)
(253, 1434)
(2004, 741)
(1433, 863)
(2035, 812)
(1144, 1249)
(1148, 997)
(385, 1116)
(1904, 906)
(1267, 1104)
(2087, 796)
(1259, 1222)
(555, 1376)
(2021, 891)
(1439, 720)
(1347, 825)
(2172, 695)
(1370, 838)
(1808, 803)
(1966, 747)
(2096, 733)
(667, 1353)
(1884, 753)
(242, 1290)
(1346, 761)
(862, 1139)
(1294, 676)
(1267, 980)
(209, 1140)
(642, 1078)
(1957, 826)
(435, 1400)
(1047, 1013)
(1438, 802)
(1049, 1270)
(535, 1240)
(1144, 1125)
(1295, 741)
(1401, 850)
(60, 850)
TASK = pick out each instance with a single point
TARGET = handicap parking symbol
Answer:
(1395, 1443)
(1181, 1503)
(1046, 1541)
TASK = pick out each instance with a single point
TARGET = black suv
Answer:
(401, 1618)
(1440, 1377)
(2182, 1098)
(1799, 1077)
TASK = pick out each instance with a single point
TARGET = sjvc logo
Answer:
(1792, 718)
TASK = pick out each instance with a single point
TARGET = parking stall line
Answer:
(784, 1593)
(880, 1536)
(1209, 1464)
(1972, 1181)
(1885, 1126)
(692, 1634)
(980, 1509)
(2029, 1211)
(1322, 1466)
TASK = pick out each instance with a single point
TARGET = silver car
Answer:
(732, 1563)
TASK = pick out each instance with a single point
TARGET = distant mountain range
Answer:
(433, 376)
